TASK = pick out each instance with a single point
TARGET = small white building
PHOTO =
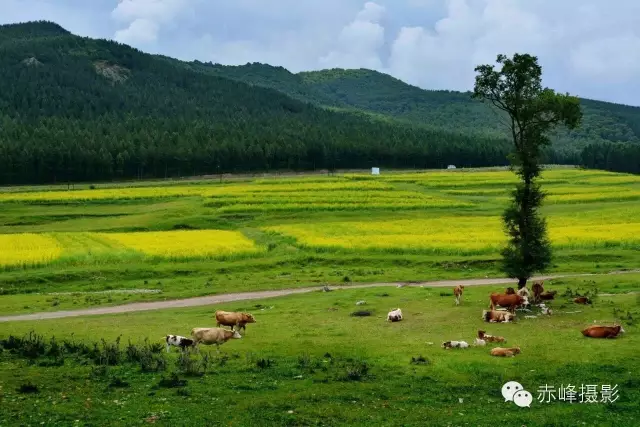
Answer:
(451, 167)
(375, 171)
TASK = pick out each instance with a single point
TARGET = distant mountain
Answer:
(382, 94)
(74, 108)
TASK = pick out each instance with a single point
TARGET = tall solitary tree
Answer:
(531, 112)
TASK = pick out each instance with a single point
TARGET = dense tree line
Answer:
(615, 157)
(78, 109)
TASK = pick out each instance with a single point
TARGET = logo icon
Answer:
(514, 391)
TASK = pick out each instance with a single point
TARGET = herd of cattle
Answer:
(508, 301)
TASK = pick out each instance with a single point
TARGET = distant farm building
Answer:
(375, 171)
(451, 167)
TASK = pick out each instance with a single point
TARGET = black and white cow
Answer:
(178, 341)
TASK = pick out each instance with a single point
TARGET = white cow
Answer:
(394, 315)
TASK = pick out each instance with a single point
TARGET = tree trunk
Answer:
(522, 282)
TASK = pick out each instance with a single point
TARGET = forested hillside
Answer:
(75, 108)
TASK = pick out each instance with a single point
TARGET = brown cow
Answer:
(233, 319)
(457, 291)
(209, 336)
(505, 352)
(603, 331)
(493, 316)
(510, 301)
(537, 289)
(490, 338)
(582, 300)
(510, 291)
(547, 296)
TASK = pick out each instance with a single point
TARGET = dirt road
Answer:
(217, 299)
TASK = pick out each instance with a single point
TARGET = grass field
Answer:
(308, 362)
(121, 243)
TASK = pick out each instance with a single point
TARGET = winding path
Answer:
(216, 299)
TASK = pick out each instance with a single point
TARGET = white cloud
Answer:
(359, 42)
(144, 18)
(140, 31)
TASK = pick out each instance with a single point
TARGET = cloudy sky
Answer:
(589, 48)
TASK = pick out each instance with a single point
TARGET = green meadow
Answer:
(307, 360)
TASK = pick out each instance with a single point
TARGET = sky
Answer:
(589, 48)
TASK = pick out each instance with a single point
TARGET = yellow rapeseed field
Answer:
(28, 249)
(456, 233)
(184, 244)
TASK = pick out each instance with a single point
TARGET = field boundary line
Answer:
(256, 295)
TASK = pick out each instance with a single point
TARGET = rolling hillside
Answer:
(79, 109)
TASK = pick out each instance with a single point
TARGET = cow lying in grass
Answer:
(455, 344)
(210, 336)
(394, 315)
(494, 316)
(489, 338)
(234, 319)
(603, 331)
(505, 352)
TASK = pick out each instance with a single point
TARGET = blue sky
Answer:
(589, 48)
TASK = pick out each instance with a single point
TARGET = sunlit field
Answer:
(180, 239)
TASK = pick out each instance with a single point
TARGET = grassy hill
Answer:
(74, 108)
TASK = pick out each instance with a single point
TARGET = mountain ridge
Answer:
(75, 108)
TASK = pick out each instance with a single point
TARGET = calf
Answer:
(548, 296)
(505, 352)
(510, 291)
(582, 300)
(489, 338)
(537, 289)
(178, 341)
(455, 344)
(394, 315)
(493, 316)
(209, 336)
(233, 319)
(510, 301)
(603, 331)
(457, 291)
(480, 342)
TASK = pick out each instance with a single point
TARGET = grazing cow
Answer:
(603, 331)
(394, 315)
(505, 352)
(178, 341)
(537, 289)
(489, 338)
(582, 300)
(457, 291)
(209, 336)
(480, 342)
(233, 319)
(510, 301)
(548, 296)
(455, 344)
(510, 291)
(494, 316)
